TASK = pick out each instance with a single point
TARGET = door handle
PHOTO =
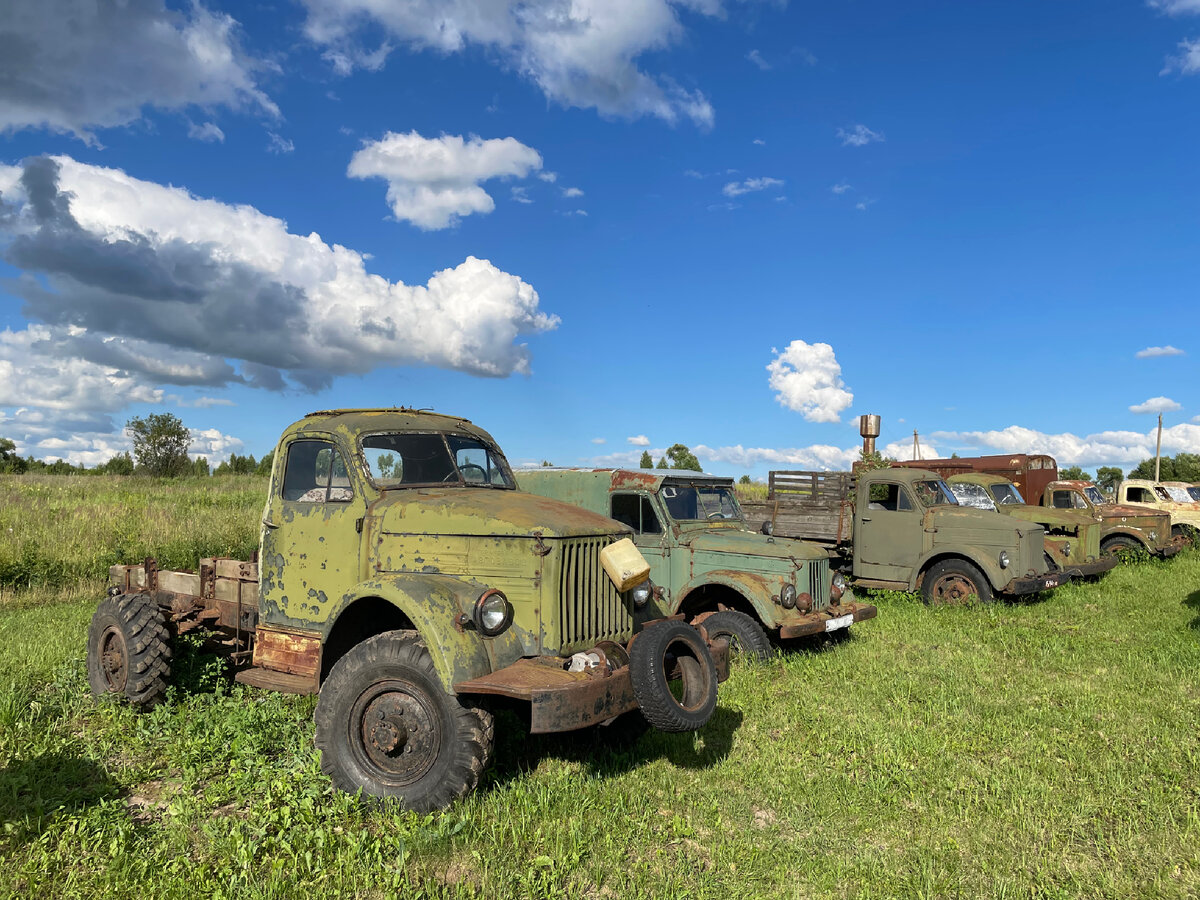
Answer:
(866, 518)
(269, 524)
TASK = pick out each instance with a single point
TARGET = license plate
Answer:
(839, 622)
(1052, 581)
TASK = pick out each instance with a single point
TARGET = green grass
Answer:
(1045, 749)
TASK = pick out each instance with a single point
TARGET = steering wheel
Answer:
(717, 515)
(464, 467)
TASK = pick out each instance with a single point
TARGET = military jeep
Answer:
(404, 577)
(704, 561)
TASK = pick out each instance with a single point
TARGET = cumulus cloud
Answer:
(757, 58)
(434, 181)
(1105, 448)
(1175, 7)
(278, 144)
(520, 194)
(858, 136)
(580, 53)
(822, 457)
(807, 378)
(572, 192)
(749, 186)
(1155, 405)
(599, 441)
(72, 66)
(841, 188)
(1153, 352)
(639, 440)
(208, 132)
(1186, 61)
(219, 294)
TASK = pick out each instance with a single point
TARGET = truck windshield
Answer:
(1178, 494)
(694, 502)
(1007, 494)
(1093, 493)
(934, 493)
(408, 459)
(973, 495)
(1195, 492)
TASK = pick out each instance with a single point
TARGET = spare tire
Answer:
(673, 676)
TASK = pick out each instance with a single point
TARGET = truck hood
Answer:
(978, 526)
(749, 543)
(1072, 517)
(485, 512)
(1114, 510)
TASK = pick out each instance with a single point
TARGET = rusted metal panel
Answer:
(817, 622)
(293, 652)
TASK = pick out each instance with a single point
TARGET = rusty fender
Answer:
(818, 622)
(567, 701)
(755, 588)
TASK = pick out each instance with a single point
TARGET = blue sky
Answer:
(648, 216)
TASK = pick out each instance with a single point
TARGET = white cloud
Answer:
(219, 294)
(759, 142)
(1105, 448)
(750, 185)
(858, 136)
(821, 457)
(207, 402)
(1175, 7)
(757, 58)
(208, 132)
(434, 181)
(75, 65)
(1187, 61)
(580, 53)
(550, 177)
(864, 204)
(520, 194)
(576, 212)
(279, 145)
(807, 378)
(639, 440)
(212, 444)
(1155, 405)
(599, 441)
(572, 192)
(1153, 352)
(841, 188)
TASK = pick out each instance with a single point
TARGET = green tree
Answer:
(1181, 467)
(9, 460)
(1073, 473)
(237, 465)
(200, 466)
(160, 443)
(662, 463)
(121, 464)
(546, 464)
(266, 464)
(1108, 477)
(647, 461)
(745, 479)
(683, 458)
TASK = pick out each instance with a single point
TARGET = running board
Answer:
(278, 681)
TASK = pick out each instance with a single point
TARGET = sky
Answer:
(599, 227)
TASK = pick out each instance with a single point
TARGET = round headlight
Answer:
(493, 612)
(838, 586)
(641, 593)
(1067, 549)
(787, 597)
(1004, 559)
(767, 528)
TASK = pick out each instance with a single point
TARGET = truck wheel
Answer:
(746, 637)
(386, 726)
(1119, 545)
(129, 651)
(952, 582)
(673, 676)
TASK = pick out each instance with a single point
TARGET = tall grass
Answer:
(56, 530)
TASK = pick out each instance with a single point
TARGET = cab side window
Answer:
(890, 498)
(1062, 499)
(636, 511)
(1140, 495)
(316, 473)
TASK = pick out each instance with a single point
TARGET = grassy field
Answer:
(1045, 749)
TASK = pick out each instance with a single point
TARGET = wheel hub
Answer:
(399, 733)
(114, 658)
(952, 590)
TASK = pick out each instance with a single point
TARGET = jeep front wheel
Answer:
(128, 650)
(386, 726)
(953, 582)
(746, 637)
(1120, 546)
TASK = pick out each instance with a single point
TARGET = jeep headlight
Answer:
(1004, 559)
(641, 593)
(787, 597)
(837, 586)
(767, 528)
(493, 613)
(1067, 549)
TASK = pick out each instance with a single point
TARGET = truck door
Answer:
(888, 533)
(310, 537)
(639, 513)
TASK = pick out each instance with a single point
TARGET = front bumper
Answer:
(1036, 583)
(834, 617)
(567, 701)
(1090, 569)
(1171, 549)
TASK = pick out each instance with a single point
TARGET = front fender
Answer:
(433, 603)
(1148, 544)
(983, 559)
(756, 588)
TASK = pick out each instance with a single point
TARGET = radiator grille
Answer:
(590, 607)
(818, 582)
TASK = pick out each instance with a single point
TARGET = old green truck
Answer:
(1170, 497)
(404, 577)
(1072, 535)
(705, 563)
(903, 529)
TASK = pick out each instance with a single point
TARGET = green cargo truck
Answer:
(404, 577)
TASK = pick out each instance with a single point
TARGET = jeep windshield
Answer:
(700, 502)
(934, 493)
(1006, 494)
(973, 495)
(1093, 493)
(412, 459)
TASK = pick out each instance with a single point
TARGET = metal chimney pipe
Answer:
(868, 427)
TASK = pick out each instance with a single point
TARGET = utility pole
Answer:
(1158, 449)
(916, 446)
